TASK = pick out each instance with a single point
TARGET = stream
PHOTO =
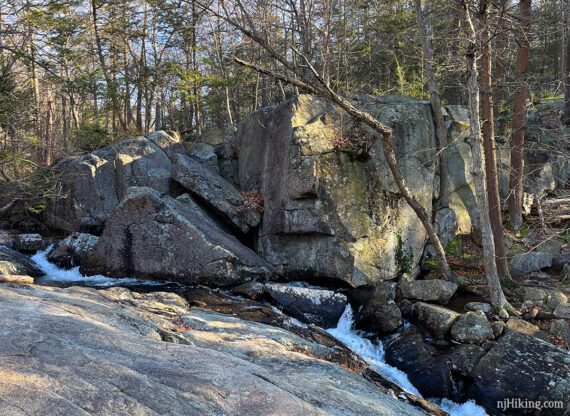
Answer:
(368, 350)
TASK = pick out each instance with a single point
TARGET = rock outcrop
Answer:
(81, 351)
(154, 237)
(72, 249)
(94, 184)
(15, 263)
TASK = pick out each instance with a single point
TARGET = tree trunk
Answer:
(519, 117)
(48, 135)
(566, 117)
(489, 146)
(497, 297)
(441, 132)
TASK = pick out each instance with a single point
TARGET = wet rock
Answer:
(478, 306)
(562, 311)
(13, 262)
(316, 306)
(439, 291)
(472, 328)
(216, 192)
(524, 367)
(375, 309)
(29, 243)
(154, 237)
(110, 357)
(70, 251)
(529, 262)
(406, 308)
(250, 290)
(437, 320)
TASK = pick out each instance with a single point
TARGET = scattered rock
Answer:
(316, 306)
(216, 192)
(565, 273)
(531, 314)
(375, 309)
(70, 251)
(498, 328)
(529, 262)
(13, 262)
(250, 290)
(29, 243)
(439, 291)
(154, 237)
(524, 367)
(556, 298)
(472, 328)
(478, 306)
(503, 314)
(562, 311)
(437, 320)
(535, 295)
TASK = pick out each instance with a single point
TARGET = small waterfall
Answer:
(373, 354)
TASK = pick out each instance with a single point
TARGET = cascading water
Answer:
(373, 354)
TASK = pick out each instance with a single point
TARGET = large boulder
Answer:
(70, 251)
(216, 192)
(29, 243)
(529, 262)
(472, 328)
(331, 207)
(436, 320)
(375, 308)
(154, 237)
(94, 184)
(522, 367)
(439, 291)
(316, 306)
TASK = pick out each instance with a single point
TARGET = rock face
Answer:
(78, 351)
(150, 236)
(439, 291)
(215, 192)
(95, 183)
(521, 367)
(331, 208)
(316, 306)
(529, 262)
(70, 251)
(472, 328)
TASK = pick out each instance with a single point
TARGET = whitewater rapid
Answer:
(373, 354)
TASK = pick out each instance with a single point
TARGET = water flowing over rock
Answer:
(15, 263)
(70, 251)
(78, 350)
(154, 237)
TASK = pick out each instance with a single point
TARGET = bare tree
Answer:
(426, 34)
(566, 117)
(519, 117)
(497, 297)
(489, 146)
(307, 78)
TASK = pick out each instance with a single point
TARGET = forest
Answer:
(304, 189)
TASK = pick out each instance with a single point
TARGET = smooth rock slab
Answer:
(76, 352)
(154, 237)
